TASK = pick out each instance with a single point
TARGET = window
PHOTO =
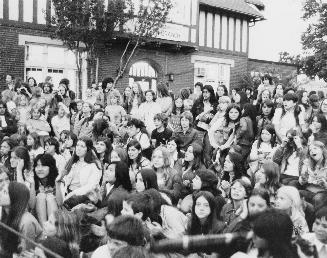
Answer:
(58, 62)
(145, 74)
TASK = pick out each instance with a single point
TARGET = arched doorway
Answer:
(145, 74)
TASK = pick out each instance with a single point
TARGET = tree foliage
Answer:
(90, 26)
(314, 39)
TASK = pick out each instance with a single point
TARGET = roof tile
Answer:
(238, 6)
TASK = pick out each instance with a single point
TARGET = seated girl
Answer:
(37, 124)
(34, 145)
(45, 174)
(84, 174)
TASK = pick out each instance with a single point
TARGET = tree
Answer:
(150, 19)
(314, 39)
(89, 26)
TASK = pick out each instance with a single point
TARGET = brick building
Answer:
(205, 40)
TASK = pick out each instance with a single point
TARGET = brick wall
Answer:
(284, 70)
(12, 54)
(165, 62)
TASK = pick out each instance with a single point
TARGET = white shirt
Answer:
(321, 247)
(101, 252)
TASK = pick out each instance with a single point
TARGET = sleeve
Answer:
(277, 117)
(92, 182)
(254, 151)
(32, 230)
(243, 128)
(144, 141)
(278, 156)
(11, 126)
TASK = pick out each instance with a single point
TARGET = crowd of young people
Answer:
(107, 175)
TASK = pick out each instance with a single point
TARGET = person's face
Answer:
(50, 149)
(49, 226)
(46, 89)
(4, 195)
(128, 91)
(171, 146)
(14, 160)
(233, 114)
(139, 186)
(86, 108)
(320, 229)
(79, 106)
(196, 183)
(132, 131)
(202, 208)
(132, 152)
(8, 78)
(114, 100)
(265, 136)
(237, 98)
(61, 112)
(127, 209)
(158, 123)
(148, 96)
(179, 103)
(228, 164)
(259, 242)
(23, 100)
(114, 156)
(316, 124)
(135, 88)
(111, 174)
(266, 82)
(30, 140)
(100, 147)
(288, 104)
(31, 82)
(62, 89)
(282, 201)
(237, 191)
(69, 142)
(185, 123)
(324, 106)
(266, 110)
(188, 104)
(158, 159)
(305, 98)
(256, 205)
(197, 90)
(81, 149)
(220, 91)
(41, 171)
(4, 148)
(223, 106)
(189, 155)
(2, 109)
(109, 85)
(206, 94)
(265, 95)
(316, 153)
(36, 114)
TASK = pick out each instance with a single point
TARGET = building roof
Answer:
(256, 3)
(238, 6)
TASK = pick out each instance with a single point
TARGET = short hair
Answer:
(291, 96)
(162, 117)
(64, 81)
(321, 213)
(140, 202)
(53, 141)
(105, 81)
(129, 229)
(152, 92)
(188, 115)
(200, 84)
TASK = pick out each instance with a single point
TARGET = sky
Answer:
(281, 31)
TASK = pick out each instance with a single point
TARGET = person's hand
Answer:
(225, 185)
(297, 141)
(284, 142)
(153, 227)
(217, 156)
(322, 182)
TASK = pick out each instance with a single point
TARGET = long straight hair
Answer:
(19, 196)
(68, 230)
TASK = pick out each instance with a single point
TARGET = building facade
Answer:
(205, 40)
